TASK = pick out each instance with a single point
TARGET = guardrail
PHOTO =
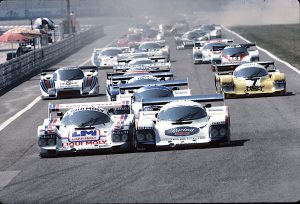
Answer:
(18, 69)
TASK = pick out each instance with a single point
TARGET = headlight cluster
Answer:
(218, 131)
(47, 140)
(51, 91)
(145, 136)
(280, 84)
(228, 87)
(120, 136)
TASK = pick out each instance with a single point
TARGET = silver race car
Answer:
(69, 81)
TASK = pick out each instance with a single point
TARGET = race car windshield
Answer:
(211, 45)
(182, 113)
(149, 46)
(111, 52)
(251, 72)
(85, 118)
(235, 51)
(152, 93)
(68, 74)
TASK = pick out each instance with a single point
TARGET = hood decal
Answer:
(182, 131)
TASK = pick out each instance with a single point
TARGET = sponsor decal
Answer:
(182, 131)
(84, 135)
(254, 87)
(84, 143)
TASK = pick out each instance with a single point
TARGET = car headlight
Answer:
(222, 132)
(51, 91)
(124, 137)
(42, 142)
(51, 142)
(214, 132)
(280, 84)
(116, 138)
(140, 137)
(149, 137)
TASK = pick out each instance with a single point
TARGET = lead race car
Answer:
(69, 81)
(182, 121)
(249, 79)
(83, 127)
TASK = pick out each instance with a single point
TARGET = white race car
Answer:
(82, 127)
(137, 92)
(69, 81)
(203, 50)
(107, 57)
(179, 121)
(236, 53)
(154, 50)
(114, 81)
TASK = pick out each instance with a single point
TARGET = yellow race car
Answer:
(247, 79)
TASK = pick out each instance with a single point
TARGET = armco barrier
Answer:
(17, 69)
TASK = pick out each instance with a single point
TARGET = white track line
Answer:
(267, 52)
(18, 114)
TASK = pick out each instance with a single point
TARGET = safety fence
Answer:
(24, 66)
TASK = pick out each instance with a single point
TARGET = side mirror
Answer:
(111, 110)
(207, 105)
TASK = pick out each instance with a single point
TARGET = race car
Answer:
(114, 81)
(129, 40)
(137, 92)
(188, 39)
(84, 127)
(235, 53)
(155, 50)
(249, 79)
(182, 121)
(69, 81)
(107, 57)
(203, 50)
(214, 31)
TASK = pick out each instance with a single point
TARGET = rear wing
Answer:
(158, 83)
(196, 98)
(80, 67)
(130, 76)
(247, 45)
(222, 69)
(155, 66)
(117, 105)
(160, 42)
